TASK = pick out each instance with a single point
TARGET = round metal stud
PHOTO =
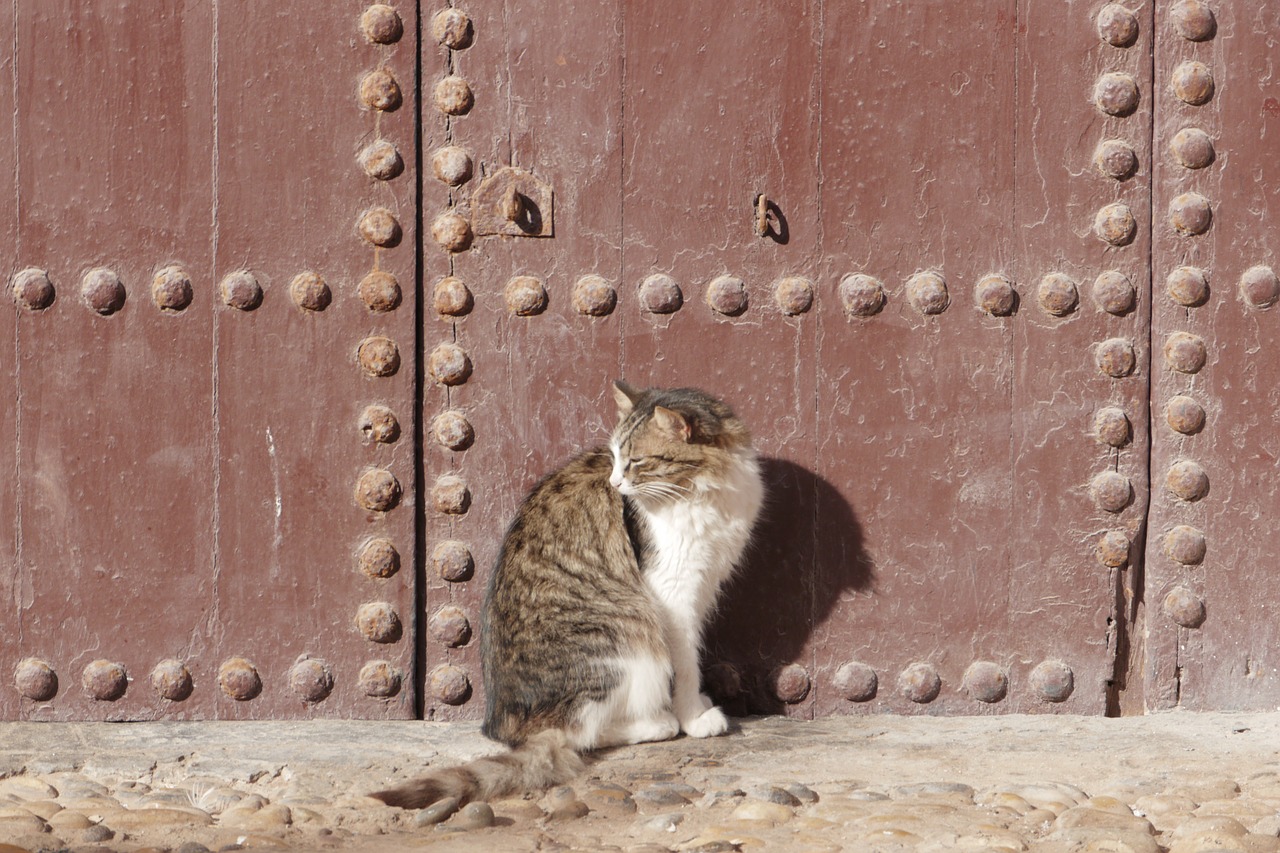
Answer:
(1185, 352)
(1190, 214)
(379, 424)
(1053, 681)
(379, 291)
(452, 29)
(920, 683)
(790, 683)
(378, 356)
(381, 24)
(1186, 545)
(104, 680)
(312, 679)
(450, 627)
(451, 165)
(594, 296)
(449, 364)
(1192, 82)
(1188, 286)
(1114, 293)
(452, 561)
(240, 290)
(1111, 427)
(856, 682)
(453, 96)
(659, 294)
(1116, 159)
(1114, 224)
(451, 297)
(380, 227)
(450, 495)
(379, 559)
(1113, 549)
(525, 296)
(985, 681)
(379, 622)
(380, 91)
(793, 294)
(1187, 480)
(32, 289)
(723, 681)
(996, 296)
(453, 430)
(377, 490)
(35, 679)
(1184, 607)
(310, 292)
(861, 295)
(1260, 287)
(1184, 415)
(102, 291)
(171, 289)
(239, 679)
(449, 684)
(927, 293)
(1115, 357)
(171, 680)
(1193, 19)
(1117, 26)
(727, 295)
(380, 160)
(1116, 93)
(379, 679)
(451, 232)
(1111, 491)
(1192, 148)
(1057, 294)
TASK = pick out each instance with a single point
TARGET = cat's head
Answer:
(669, 443)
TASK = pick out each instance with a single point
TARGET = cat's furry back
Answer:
(594, 615)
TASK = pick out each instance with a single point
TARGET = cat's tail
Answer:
(542, 761)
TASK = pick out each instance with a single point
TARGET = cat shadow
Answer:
(807, 553)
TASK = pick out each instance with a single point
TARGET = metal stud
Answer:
(450, 495)
(449, 364)
(985, 681)
(920, 683)
(449, 684)
(379, 679)
(452, 29)
(727, 295)
(996, 296)
(1192, 148)
(1053, 681)
(379, 559)
(453, 96)
(379, 424)
(240, 290)
(1185, 352)
(239, 679)
(312, 679)
(1117, 26)
(102, 290)
(451, 297)
(794, 294)
(1057, 294)
(1116, 93)
(659, 294)
(861, 295)
(380, 227)
(1111, 491)
(1114, 224)
(379, 622)
(1186, 545)
(1193, 19)
(450, 626)
(171, 680)
(453, 430)
(171, 289)
(380, 160)
(1192, 82)
(1113, 549)
(525, 296)
(723, 681)
(452, 561)
(927, 293)
(379, 291)
(790, 683)
(1111, 427)
(36, 679)
(451, 165)
(1188, 286)
(380, 91)
(378, 356)
(594, 296)
(1184, 607)
(104, 680)
(1187, 480)
(1259, 287)
(1184, 415)
(1114, 293)
(451, 232)
(381, 24)
(310, 292)
(1190, 214)
(1115, 357)
(32, 289)
(856, 682)
(378, 490)
(1116, 159)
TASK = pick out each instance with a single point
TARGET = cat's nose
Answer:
(615, 479)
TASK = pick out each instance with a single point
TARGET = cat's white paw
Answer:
(709, 723)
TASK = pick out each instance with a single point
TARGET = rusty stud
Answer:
(449, 364)
(171, 680)
(1186, 545)
(104, 680)
(379, 679)
(1117, 26)
(32, 289)
(525, 296)
(35, 679)
(1260, 287)
(861, 295)
(856, 682)
(453, 430)
(927, 293)
(452, 29)
(310, 292)
(449, 684)
(1192, 148)
(379, 424)
(380, 91)
(312, 679)
(380, 227)
(452, 561)
(1111, 491)
(1185, 352)
(1184, 607)
(451, 165)
(450, 495)
(240, 290)
(171, 289)
(594, 296)
(1113, 549)
(920, 683)
(102, 291)
(793, 294)
(1115, 357)
(378, 356)
(1053, 680)
(985, 681)
(380, 160)
(381, 24)
(1114, 293)
(377, 490)
(1192, 82)
(1188, 286)
(1057, 294)
(996, 296)
(727, 295)
(1114, 224)
(1187, 480)
(451, 231)
(1116, 159)
(1190, 213)
(1184, 415)
(379, 559)
(239, 679)
(450, 627)
(453, 96)
(723, 681)
(1111, 427)
(660, 294)
(451, 297)
(1193, 19)
(379, 622)
(511, 205)
(1116, 93)
(789, 683)
(379, 291)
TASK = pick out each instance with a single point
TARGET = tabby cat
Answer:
(594, 615)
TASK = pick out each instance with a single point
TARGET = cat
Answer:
(594, 615)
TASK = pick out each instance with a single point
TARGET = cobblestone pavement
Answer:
(1183, 783)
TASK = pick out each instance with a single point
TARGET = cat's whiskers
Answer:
(659, 489)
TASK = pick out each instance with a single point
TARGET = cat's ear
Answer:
(626, 397)
(672, 424)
